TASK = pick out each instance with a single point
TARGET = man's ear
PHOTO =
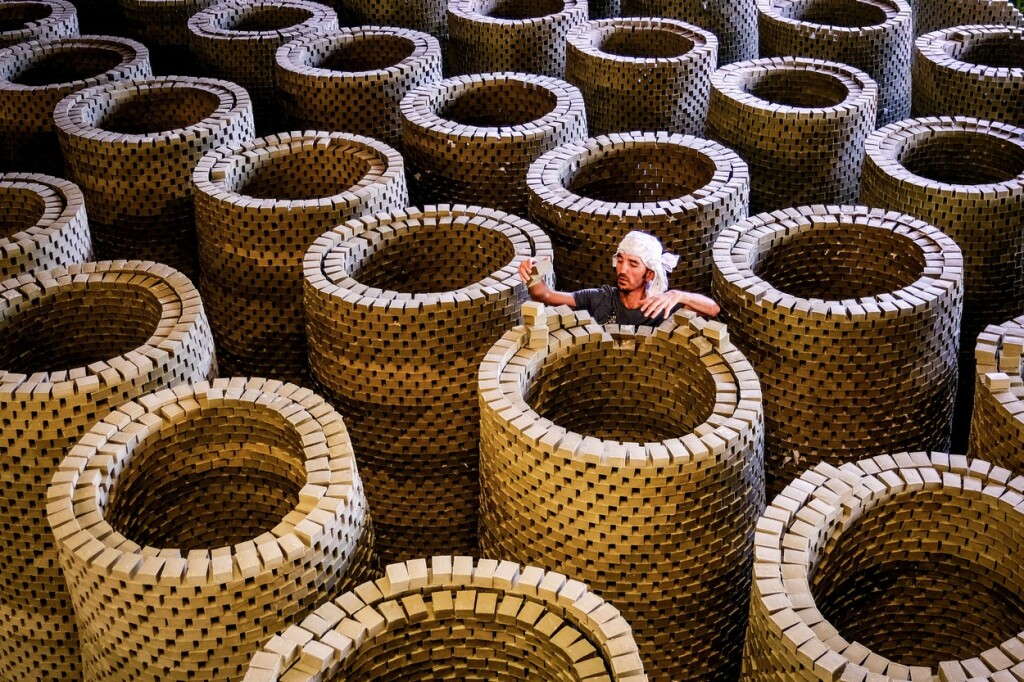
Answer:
(649, 275)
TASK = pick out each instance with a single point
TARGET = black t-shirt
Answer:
(605, 306)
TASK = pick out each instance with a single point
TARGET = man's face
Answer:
(631, 273)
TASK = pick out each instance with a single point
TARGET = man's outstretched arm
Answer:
(662, 304)
(540, 291)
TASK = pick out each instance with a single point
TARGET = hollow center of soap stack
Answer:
(799, 88)
(964, 158)
(500, 104)
(436, 258)
(649, 393)
(23, 209)
(67, 65)
(841, 13)
(75, 327)
(1000, 52)
(368, 53)
(517, 10)
(264, 19)
(308, 173)
(836, 262)
(224, 475)
(151, 111)
(906, 582)
(645, 43)
(644, 173)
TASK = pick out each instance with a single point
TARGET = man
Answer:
(640, 295)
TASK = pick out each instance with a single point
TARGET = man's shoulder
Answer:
(597, 301)
(603, 291)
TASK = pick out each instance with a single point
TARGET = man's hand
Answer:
(539, 290)
(663, 303)
(524, 270)
(660, 305)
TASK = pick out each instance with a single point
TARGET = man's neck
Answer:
(634, 298)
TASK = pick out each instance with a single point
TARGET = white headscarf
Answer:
(648, 249)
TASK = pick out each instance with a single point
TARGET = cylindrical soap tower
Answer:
(131, 146)
(400, 309)
(471, 139)
(850, 316)
(642, 74)
(163, 26)
(630, 459)
(353, 80)
(43, 225)
(684, 190)
(522, 36)
(238, 40)
(734, 22)
(193, 524)
(965, 177)
(800, 124)
(35, 76)
(997, 427)
(896, 567)
(525, 624)
(259, 206)
(75, 343)
(875, 36)
(970, 71)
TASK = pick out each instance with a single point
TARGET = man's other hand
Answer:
(524, 270)
(663, 303)
(660, 305)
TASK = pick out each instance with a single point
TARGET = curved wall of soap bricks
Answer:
(850, 317)
(573, 480)
(78, 341)
(997, 422)
(232, 506)
(396, 347)
(260, 205)
(32, 82)
(650, 75)
(970, 71)
(525, 623)
(117, 137)
(44, 225)
(885, 568)
(27, 20)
